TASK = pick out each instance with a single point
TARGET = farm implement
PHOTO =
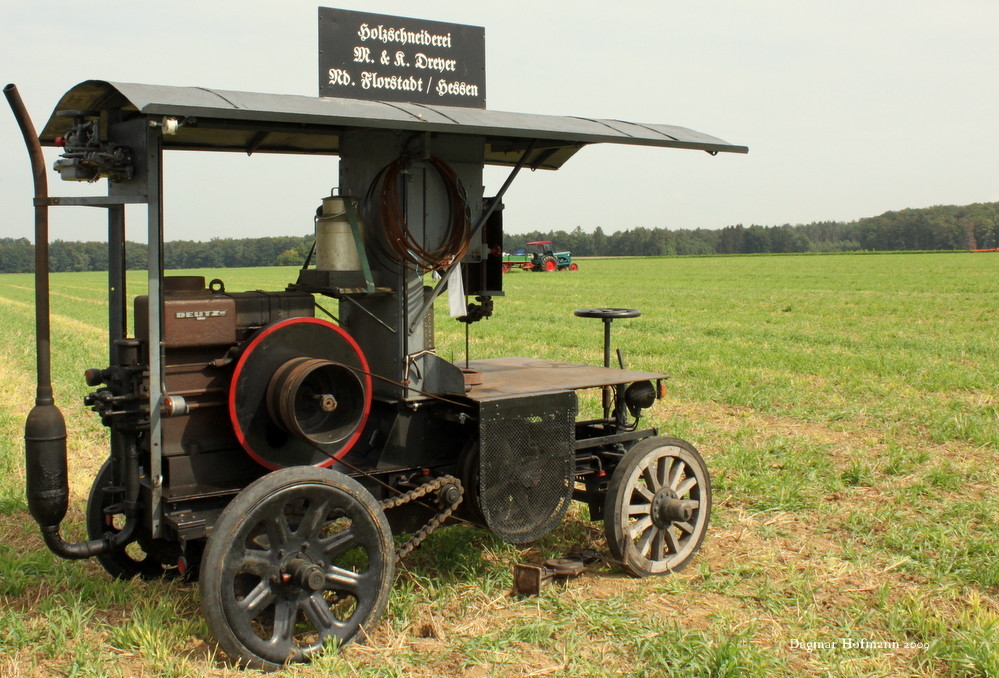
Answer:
(272, 449)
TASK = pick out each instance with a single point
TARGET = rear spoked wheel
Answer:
(300, 560)
(657, 507)
(138, 558)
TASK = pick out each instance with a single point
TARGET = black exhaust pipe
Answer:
(45, 429)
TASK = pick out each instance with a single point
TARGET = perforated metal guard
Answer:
(526, 463)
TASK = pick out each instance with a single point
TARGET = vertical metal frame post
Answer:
(116, 279)
(154, 193)
(117, 323)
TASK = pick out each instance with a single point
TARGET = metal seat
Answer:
(607, 315)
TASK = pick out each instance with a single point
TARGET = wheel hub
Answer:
(305, 574)
(668, 508)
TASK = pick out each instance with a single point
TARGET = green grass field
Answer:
(847, 406)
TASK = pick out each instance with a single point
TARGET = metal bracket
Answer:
(528, 579)
(355, 229)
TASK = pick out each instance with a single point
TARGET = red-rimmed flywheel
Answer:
(300, 394)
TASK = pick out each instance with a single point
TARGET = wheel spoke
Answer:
(674, 477)
(313, 518)
(645, 543)
(686, 527)
(317, 609)
(663, 466)
(258, 599)
(636, 529)
(686, 486)
(671, 541)
(639, 509)
(339, 579)
(650, 478)
(257, 563)
(657, 545)
(285, 612)
(278, 532)
(341, 542)
(646, 494)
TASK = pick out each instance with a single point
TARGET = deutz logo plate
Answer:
(202, 315)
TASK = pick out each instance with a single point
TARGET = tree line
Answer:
(17, 255)
(946, 227)
(933, 228)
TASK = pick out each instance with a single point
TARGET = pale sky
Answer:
(850, 108)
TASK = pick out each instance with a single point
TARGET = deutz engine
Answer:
(204, 330)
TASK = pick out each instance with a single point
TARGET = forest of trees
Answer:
(17, 256)
(949, 227)
(933, 228)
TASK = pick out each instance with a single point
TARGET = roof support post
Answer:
(154, 192)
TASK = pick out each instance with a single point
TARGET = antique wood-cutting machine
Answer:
(273, 448)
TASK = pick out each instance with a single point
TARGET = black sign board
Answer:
(388, 58)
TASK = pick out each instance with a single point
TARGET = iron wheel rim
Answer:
(641, 533)
(261, 585)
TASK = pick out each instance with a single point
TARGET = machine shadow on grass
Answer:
(466, 553)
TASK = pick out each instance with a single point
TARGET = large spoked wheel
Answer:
(300, 559)
(657, 506)
(132, 560)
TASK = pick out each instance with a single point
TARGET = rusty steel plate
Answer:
(511, 377)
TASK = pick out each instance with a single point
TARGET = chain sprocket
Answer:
(414, 495)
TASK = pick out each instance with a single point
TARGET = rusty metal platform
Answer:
(513, 377)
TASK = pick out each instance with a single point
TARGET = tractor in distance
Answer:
(543, 259)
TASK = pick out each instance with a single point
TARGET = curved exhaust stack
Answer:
(45, 428)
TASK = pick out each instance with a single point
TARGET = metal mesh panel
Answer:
(526, 463)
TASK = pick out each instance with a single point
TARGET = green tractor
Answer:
(544, 259)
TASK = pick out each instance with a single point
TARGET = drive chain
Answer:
(435, 522)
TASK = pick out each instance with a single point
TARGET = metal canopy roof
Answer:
(286, 123)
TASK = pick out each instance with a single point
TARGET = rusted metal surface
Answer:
(528, 579)
(508, 377)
